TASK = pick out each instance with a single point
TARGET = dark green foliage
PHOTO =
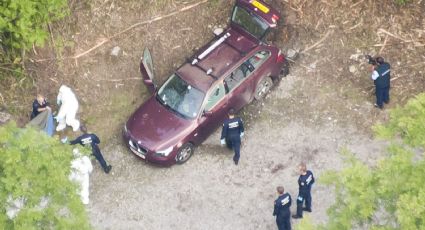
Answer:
(34, 166)
(24, 22)
(402, 2)
(391, 195)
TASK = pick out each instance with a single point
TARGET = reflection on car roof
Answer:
(218, 61)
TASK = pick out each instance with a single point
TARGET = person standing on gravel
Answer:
(232, 133)
(305, 181)
(381, 79)
(281, 209)
(92, 140)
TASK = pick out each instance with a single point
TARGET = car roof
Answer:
(217, 62)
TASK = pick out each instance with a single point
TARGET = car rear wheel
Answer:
(285, 70)
(184, 153)
(263, 88)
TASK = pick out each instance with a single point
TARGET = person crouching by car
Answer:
(92, 140)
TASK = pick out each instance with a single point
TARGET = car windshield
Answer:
(249, 22)
(180, 97)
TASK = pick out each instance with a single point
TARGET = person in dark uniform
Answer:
(92, 140)
(41, 115)
(305, 181)
(39, 105)
(281, 209)
(381, 78)
(231, 134)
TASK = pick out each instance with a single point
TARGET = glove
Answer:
(64, 140)
(223, 142)
(242, 134)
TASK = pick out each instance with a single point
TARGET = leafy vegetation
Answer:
(34, 171)
(24, 23)
(402, 2)
(390, 195)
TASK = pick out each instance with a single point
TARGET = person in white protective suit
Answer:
(68, 110)
(81, 168)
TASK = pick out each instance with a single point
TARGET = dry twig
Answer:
(118, 80)
(385, 43)
(318, 42)
(106, 40)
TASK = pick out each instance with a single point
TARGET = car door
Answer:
(215, 109)
(239, 86)
(146, 69)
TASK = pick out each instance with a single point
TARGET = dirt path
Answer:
(209, 192)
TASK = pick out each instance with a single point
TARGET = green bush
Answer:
(35, 168)
(390, 195)
(402, 2)
(24, 22)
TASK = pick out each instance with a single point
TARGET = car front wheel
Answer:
(184, 153)
(263, 88)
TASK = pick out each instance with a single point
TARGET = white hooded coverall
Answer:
(68, 110)
(81, 167)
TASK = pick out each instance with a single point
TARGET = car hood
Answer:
(155, 126)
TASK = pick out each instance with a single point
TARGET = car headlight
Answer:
(165, 152)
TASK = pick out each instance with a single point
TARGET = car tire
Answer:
(285, 70)
(263, 87)
(184, 153)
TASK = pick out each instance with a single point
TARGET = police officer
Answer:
(281, 209)
(92, 140)
(305, 181)
(381, 79)
(39, 105)
(231, 134)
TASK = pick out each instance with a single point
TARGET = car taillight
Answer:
(275, 18)
(280, 57)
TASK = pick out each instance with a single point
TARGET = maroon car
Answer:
(236, 67)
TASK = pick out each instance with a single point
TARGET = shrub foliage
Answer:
(390, 195)
(35, 168)
(24, 22)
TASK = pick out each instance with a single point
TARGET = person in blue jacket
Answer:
(92, 140)
(281, 209)
(231, 134)
(381, 78)
(305, 181)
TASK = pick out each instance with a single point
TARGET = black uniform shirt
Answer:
(36, 105)
(87, 139)
(232, 129)
(305, 181)
(282, 204)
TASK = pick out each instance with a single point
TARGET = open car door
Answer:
(146, 69)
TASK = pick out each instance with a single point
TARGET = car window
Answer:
(215, 96)
(237, 76)
(259, 58)
(181, 97)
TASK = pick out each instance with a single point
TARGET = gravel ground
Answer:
(209, 191)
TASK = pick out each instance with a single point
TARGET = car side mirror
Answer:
(207, 113)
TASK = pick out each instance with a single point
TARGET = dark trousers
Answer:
(234, 144)
(303, 197)
(99, 157)
(283, 222)
(382, 95)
